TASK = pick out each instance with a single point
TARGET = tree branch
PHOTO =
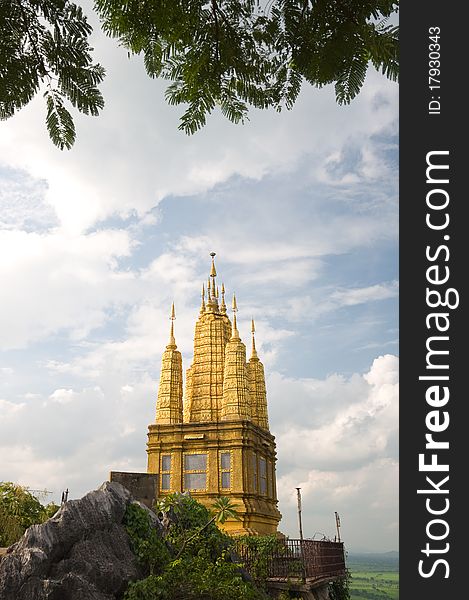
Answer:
(44, 71)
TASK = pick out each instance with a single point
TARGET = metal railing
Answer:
(311, 560)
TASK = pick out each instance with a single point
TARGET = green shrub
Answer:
(340, 589)
(192, 563)
(19, 509)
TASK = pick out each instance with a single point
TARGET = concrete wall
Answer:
(142, 486)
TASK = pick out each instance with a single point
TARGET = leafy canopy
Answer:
(19, 509)
(236, 53)
(44, 46)
(193, 560)
(230, 54)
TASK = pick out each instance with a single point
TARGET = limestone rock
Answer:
(81, 553)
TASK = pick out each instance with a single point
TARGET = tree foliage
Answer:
(192, 561)
(340, 588)
(261, 548)
(44, 47)
(19, 509)
(230, 54)
(236, 53)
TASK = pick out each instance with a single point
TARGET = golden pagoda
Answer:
(216, 440)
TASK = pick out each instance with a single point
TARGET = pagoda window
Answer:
(254, 472)
(270, 479)
(165, 472)
(225, 470)
(263, 475)
(195, 472)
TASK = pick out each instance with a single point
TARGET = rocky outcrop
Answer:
(82, 553)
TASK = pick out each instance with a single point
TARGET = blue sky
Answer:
(96, 243)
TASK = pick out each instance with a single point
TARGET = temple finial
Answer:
(223, 305)
(253, 330)
(172, 340)
(235, 332)
(213, 292)
(202, 306)
(213, 271)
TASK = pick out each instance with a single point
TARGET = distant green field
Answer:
(374, 576)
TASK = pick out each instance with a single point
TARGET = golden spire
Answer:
(253, 330)
(213, 271)
(213, 292)
(202, 306)
(234, 307)
(213, 295)
(256, 383)
(236, 400)
(223, 305)
(172, 341)
(169, 402)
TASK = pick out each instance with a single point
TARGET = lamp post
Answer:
(298, 495)
(337, 523)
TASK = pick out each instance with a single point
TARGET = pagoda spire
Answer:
(256, 384)
(169, 402)
(236, 399)
(212, 289)
(234, 308)
(202, 306)
(204, 378)
(253, 348)
(172, 340)
(223, 305)
(213, 271)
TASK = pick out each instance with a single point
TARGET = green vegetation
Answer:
(44, 48)
(340, 589)
(374, 577)
(262, 547)
(19, 509)
(236, 53)
(193, 560)
(230, 54)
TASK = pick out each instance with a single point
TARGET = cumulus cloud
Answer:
(152, 160)
(339, 445)
(336, 439)
(364, 422)
(56, 280)
(360, 295)
(96, 243)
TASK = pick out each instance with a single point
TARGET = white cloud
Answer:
(282, 200)
(58, 281)
(151, 160)
(349, 432)
(62, 396)
(345, 460)
(334, 439)
(381, 291)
